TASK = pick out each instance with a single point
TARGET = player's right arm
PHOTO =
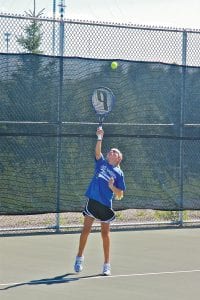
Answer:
(98, 153)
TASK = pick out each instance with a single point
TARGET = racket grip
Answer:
(99, 137)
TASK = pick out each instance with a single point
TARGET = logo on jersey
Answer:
(106, 173)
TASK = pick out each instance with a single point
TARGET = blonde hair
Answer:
(119, 153)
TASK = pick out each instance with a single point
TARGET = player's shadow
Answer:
(65, 278)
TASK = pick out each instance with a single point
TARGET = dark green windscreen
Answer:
(48, 125)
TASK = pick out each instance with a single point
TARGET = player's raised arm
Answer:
(99, 134)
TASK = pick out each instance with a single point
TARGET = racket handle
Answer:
(99, 138)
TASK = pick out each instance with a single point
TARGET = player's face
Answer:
(114, 156)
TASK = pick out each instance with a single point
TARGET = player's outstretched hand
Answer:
(100, 133)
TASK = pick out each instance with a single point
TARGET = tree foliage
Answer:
(31, 40)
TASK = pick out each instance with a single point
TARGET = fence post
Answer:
(182, 100)
(53, 35)
(58, 144)
(59, 119)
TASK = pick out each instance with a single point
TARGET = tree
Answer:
(31, 41)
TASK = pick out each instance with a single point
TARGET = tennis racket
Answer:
(103, 101)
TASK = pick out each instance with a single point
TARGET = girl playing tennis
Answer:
(107, 182)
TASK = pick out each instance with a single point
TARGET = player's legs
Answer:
(88, 221)
(78, 265)
(105, 233)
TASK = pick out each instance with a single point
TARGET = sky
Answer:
(167, 13)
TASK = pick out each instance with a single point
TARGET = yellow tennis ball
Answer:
(114, 65)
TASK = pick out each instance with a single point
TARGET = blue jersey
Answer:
(98, 188)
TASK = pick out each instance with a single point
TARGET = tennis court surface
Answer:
(146, 264)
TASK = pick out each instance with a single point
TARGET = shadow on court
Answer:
(65, 278)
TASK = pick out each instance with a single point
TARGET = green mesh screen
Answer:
(48, 125)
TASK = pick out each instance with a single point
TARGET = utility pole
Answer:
(7, 39)
(34, 8)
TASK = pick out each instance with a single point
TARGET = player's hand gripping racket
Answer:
(103, 100)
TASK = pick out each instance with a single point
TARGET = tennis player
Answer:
(107, 182)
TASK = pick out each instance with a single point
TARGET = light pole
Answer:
(62, 10)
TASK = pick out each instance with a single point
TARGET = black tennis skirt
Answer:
(98, 211)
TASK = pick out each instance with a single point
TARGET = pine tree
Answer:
(31, 40)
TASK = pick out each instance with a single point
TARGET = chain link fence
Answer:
(104, 41)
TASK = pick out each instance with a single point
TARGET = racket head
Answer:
(103, 101)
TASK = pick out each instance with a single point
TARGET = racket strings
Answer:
(103, 100)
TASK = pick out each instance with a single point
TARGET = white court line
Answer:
(142, 274)
(67, 279)
(145, 274)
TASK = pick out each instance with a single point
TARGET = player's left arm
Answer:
(118, 192)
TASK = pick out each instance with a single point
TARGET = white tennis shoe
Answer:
(106, 269)
(78, 266)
